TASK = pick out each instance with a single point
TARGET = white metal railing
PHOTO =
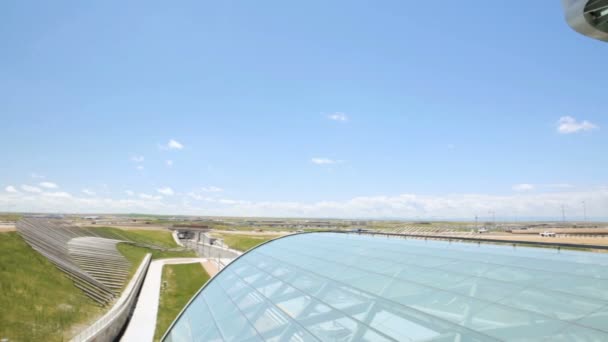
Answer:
(109, 325)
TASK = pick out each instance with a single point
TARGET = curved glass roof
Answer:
(348, 287)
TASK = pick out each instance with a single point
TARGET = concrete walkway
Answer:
(176, 238)
(213, 266)
(143, 323)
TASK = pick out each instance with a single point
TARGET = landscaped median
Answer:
(243, 242)
(179, 284)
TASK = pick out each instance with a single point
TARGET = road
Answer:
(7, 227)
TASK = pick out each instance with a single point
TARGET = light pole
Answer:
(584, 211)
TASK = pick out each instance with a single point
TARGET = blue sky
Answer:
(317, 108)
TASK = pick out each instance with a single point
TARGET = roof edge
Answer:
(222, 270)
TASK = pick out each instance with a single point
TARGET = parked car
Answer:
(547, 234)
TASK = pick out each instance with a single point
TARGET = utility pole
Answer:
(493, 217)
(584, 211)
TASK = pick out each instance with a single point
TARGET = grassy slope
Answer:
(37, 300)
(182, 283)
(243, 242)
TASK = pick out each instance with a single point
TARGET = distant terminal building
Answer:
(588, 17)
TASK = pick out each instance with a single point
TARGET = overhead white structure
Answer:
(588, 17)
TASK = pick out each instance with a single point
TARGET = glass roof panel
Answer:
(350, 287)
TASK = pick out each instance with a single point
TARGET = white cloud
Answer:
(137, 159)
(11, 189)
(30, 188)
(211, 189)
(199, 197)
(529, 187)
(139, 167)
(129, 193)
(37, 176)
(523, 187)
(201, 193)
(53, 202)
(48, 185)
(325, 161)
(231, 202)
(559, 186)
(172, 145)
(150, 197)
(338, 117)
(88, 192)
(59, 194)
(167, 191)
(169, 163)
(451, 146)
(463, 206)
(568, 125)
(455, 206)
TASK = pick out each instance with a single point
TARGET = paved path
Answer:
(212, 266)
(4, 227)
(143, 323)
(177, 241)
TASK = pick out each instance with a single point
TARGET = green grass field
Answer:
(160, 238)
(243, 242)
(182, 282)
(11, 217)
(135, 254)
(38, 302)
